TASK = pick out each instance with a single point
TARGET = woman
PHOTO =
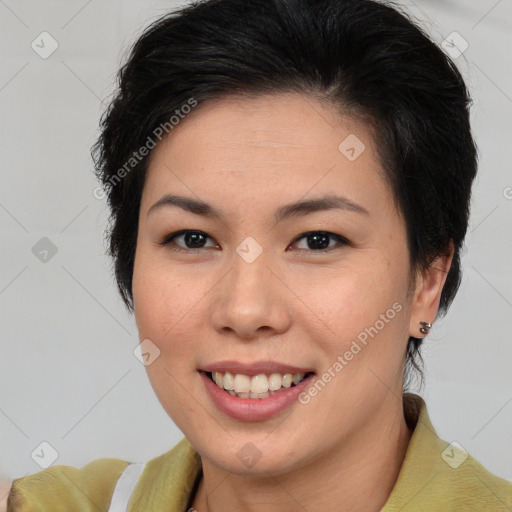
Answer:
(289, 183)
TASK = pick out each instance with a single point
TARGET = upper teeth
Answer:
(258, 384)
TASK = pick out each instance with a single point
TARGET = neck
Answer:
(358, 474)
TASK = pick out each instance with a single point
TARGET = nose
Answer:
(251, 301)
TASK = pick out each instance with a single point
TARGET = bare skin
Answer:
(247, 157)
(5, 487)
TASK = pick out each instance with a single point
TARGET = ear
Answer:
(427, 293)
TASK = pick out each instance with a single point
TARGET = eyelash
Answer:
(167, 239)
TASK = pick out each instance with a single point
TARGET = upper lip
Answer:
(255, 368)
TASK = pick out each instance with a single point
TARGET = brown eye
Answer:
(193, 240)
(319, 241)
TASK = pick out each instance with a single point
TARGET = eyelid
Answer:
(168, 239)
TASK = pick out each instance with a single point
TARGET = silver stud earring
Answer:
(425, 327)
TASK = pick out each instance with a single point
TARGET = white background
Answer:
(68, 375)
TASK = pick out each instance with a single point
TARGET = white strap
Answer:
(125, 486)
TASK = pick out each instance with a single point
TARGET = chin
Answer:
(252, 456)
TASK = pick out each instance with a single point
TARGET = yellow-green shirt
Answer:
(435, 476)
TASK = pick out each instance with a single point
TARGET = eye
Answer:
(194, 240)
(320, 240)
(191, 237)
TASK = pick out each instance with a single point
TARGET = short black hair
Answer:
(370, 60)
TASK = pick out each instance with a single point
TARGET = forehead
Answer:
(263, 148)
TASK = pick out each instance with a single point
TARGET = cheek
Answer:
(163, 315)
(353, 294)
(154, 297)
(167, 306)
(364, 302)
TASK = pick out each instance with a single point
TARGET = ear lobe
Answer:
(427, 294)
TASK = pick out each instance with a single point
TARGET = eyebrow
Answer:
(298, 209)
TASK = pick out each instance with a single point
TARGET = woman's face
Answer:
(253, 295)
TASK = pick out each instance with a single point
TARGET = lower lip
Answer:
(253, 409)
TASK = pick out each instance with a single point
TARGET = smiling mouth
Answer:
(257, 386)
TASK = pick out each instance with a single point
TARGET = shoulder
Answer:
(461, 483)
(438, 475)
(476, 486)
(91, 487)
(88, 488)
